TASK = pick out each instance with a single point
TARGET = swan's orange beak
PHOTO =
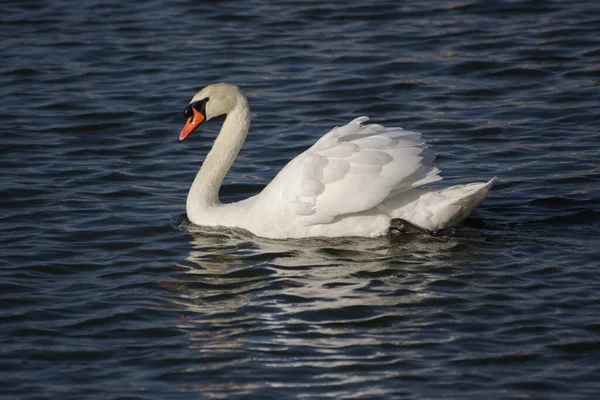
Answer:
(192, 123)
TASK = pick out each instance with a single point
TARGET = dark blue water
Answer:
(106, 292)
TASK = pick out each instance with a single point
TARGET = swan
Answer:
(357, 180)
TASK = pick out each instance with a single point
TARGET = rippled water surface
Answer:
(107, 292)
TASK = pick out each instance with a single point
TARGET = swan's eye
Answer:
(200, 105)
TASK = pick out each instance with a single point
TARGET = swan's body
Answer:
(352, 182)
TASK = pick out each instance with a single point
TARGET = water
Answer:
(106, 292)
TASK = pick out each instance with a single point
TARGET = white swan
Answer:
(357, 180)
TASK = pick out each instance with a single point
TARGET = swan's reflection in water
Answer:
(310, 303)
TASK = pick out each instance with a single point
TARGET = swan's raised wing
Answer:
(352, 168)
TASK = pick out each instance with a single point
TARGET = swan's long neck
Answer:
(204, 192)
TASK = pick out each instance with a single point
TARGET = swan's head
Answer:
(210, 102)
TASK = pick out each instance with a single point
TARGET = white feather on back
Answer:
(353, 168)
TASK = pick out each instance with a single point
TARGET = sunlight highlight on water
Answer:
(106, 291)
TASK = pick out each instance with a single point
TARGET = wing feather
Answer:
(353, 168)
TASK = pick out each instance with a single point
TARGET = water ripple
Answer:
(106, 291)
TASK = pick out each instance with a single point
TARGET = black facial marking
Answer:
(199, 106)
(187, 112)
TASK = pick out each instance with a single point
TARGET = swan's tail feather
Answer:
(469, 197)
(437, 209)
(473, 191)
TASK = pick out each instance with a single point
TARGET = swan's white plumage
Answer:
(351, 182)
(354, 168)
